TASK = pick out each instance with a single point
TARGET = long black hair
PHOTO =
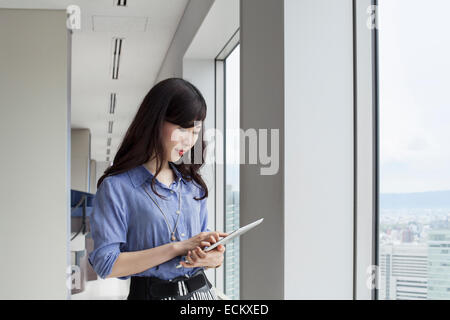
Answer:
(177, 101)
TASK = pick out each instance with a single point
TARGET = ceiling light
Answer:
(110, 126)
(112, 103)
(117, 48)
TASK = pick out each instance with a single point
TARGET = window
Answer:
(227, 175)
(232, 107)
(414, 149)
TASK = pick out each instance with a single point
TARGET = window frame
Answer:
(220, 169)
(366, 144)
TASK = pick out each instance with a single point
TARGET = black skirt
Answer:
(140, 289)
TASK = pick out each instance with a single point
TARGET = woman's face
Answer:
(178, 140)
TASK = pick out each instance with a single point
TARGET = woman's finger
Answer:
(205, 244)
(186, 265)
(192, 259)
(188, 257)
(213, 240)
(194, 256)
(223, 234)
(200, 253)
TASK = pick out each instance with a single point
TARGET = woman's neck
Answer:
(151, 165)
(166, 175)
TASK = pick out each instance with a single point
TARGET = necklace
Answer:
(177, 212)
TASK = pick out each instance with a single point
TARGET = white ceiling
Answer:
(142, 54)
(218, 27)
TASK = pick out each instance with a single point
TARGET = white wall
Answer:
(195, 12)
(318, 149)
(34, 139)
(80, 159)
(201, 74)
(216, 29)
(92, 176)
(100, 168)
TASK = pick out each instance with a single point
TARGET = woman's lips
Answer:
(180, 152)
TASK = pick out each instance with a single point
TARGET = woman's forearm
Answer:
(128, 263)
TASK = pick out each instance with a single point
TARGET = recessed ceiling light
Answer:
(120, 3)
(112, 103)
(117, 49)
(110, 126)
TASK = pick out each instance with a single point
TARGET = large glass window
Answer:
(414, 149)
(232, 109)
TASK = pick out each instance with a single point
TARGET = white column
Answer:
(262, 254)
(35, 144)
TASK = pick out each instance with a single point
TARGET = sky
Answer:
(232, 117)
(414, 79)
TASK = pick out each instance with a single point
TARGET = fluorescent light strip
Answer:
(110, 126)
(112, 103)
(116, 57)
(121, 3)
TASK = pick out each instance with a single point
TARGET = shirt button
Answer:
(178, 211)
(171, 191)
(182, 234)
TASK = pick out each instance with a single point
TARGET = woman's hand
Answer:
(199, 258)
(203, 239)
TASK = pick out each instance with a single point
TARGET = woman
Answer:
(150, 212)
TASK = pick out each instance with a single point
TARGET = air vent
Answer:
(108, 143)
(121, 3)
(117, 48)
(107, 158)
(110, 126)
(112, 103)
(108, 151)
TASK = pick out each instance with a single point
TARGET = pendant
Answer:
(173, 238)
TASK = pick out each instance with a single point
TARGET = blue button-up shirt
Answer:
(124, 218)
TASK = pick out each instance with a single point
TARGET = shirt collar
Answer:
(140, 174)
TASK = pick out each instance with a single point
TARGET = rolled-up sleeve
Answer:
(109, 225)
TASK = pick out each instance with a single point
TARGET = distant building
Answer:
(439, 264)
(403, 272)
(407, 236)
(231, 264)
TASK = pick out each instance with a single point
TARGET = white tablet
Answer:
(231, 236)
(234, 234)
